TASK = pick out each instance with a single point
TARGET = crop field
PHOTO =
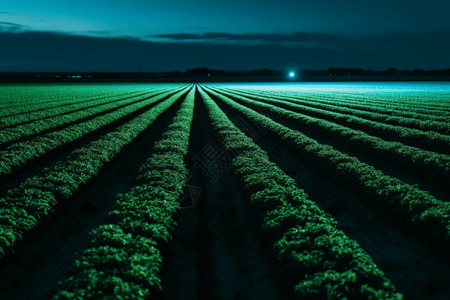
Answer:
(225, 191)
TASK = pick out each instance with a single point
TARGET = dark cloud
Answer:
(314, 39)
(53, 52)
(104, 33)
(302, 38)
(10, 27)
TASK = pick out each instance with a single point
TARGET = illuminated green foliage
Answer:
(317, 259)
(419, 208)
(125, 253)
(430, 162)
(31, 202)
(18, 154)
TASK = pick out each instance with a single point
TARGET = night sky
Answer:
(230, 35)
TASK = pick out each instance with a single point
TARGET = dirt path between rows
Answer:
(215, 253)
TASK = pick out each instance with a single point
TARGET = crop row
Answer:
(428, 125)
(10, 135)
(375, 103)
(400, 98)
(428, 140)
(315, 258)
(66, 109)
(352, 102)
(428, 102)
(123, 257)
(417, 208)
(24, 207)
(18, 154)
(429, 165)
(10, 94)
(34, 99)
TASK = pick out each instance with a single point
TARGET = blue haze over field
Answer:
(407, 91)
(345, 86)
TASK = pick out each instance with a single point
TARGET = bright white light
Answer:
(291, 74)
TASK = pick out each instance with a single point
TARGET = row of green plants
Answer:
(370, 103)
(123, 258)
(27, 94)
(404, 99)
(314, 258)
(407, 204)
(432, 141)
(24, 207)
(424, 125)
(21, 99)
(429, 102)
(13, 134)
(428, 166)
(18, 154)
(66, 108)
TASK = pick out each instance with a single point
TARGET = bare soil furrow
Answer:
(215, 252)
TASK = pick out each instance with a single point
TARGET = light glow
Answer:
(291, 74)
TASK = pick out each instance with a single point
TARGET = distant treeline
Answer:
(205, 74)
(331, 71)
